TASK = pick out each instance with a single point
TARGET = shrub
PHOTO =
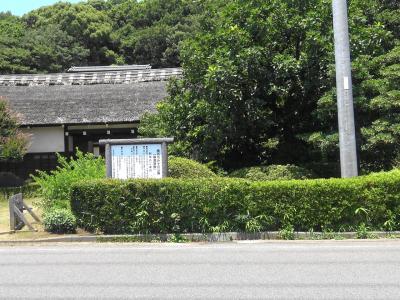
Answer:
(59, 221)
(363, 232)
(55, 186)
(14, 147)
(287, 233)
(273, 172)
(13, 143)
(179, 167)
(229, 204)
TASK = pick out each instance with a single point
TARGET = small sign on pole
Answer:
(137, 158)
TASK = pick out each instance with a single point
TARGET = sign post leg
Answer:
(108, 161)
(164, 155)
(12, 214)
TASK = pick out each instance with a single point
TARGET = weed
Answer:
(363, 232)
(177, 238)
(393, 236)
(287, 233)
(390, 224)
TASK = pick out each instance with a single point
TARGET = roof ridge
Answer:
(107, 68)
(89, 78)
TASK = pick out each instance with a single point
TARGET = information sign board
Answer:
(136, 158)
(136, 161)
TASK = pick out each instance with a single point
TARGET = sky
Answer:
(20, 7)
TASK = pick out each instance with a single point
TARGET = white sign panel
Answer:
(136, 161)
(346, 83)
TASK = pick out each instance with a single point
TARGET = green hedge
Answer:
(179, 167)
(226, 204)
(273, 172)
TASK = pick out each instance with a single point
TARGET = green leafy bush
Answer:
(55, 186)
(363, 232)
(179, 167)
(273, 172)
(59, 221)
(229, 204)
(287, 233)
(13, 143)
(14, 147)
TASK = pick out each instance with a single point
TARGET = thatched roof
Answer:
(110, 98)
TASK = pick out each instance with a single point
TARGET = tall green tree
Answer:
(87, 25)
(52, 49)
(251, 78)
(13, 56)
(97, 32)
(151, 31)
(375, 49)
(258, 84)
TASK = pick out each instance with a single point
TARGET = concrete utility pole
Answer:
(347, 137)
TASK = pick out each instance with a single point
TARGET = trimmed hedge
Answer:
(273, 172)
(179, 167)
(226, 204)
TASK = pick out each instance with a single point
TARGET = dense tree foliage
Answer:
(13, 57)
(375, 39)
(258, 85)
(97, 32)
(12, 141)
(251, 76)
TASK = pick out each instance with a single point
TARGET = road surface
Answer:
(251, 270)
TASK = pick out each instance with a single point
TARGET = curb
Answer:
(199, 237)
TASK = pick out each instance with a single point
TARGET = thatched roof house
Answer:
(76, 109)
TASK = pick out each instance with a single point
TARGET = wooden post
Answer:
(17, 219)
(22, 218)
(29, 209)
(12, 214)
(18, 206)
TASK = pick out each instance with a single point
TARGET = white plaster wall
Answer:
(45, 139)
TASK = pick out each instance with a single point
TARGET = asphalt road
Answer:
(268, 270)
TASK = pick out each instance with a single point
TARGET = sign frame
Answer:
(141, 141)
